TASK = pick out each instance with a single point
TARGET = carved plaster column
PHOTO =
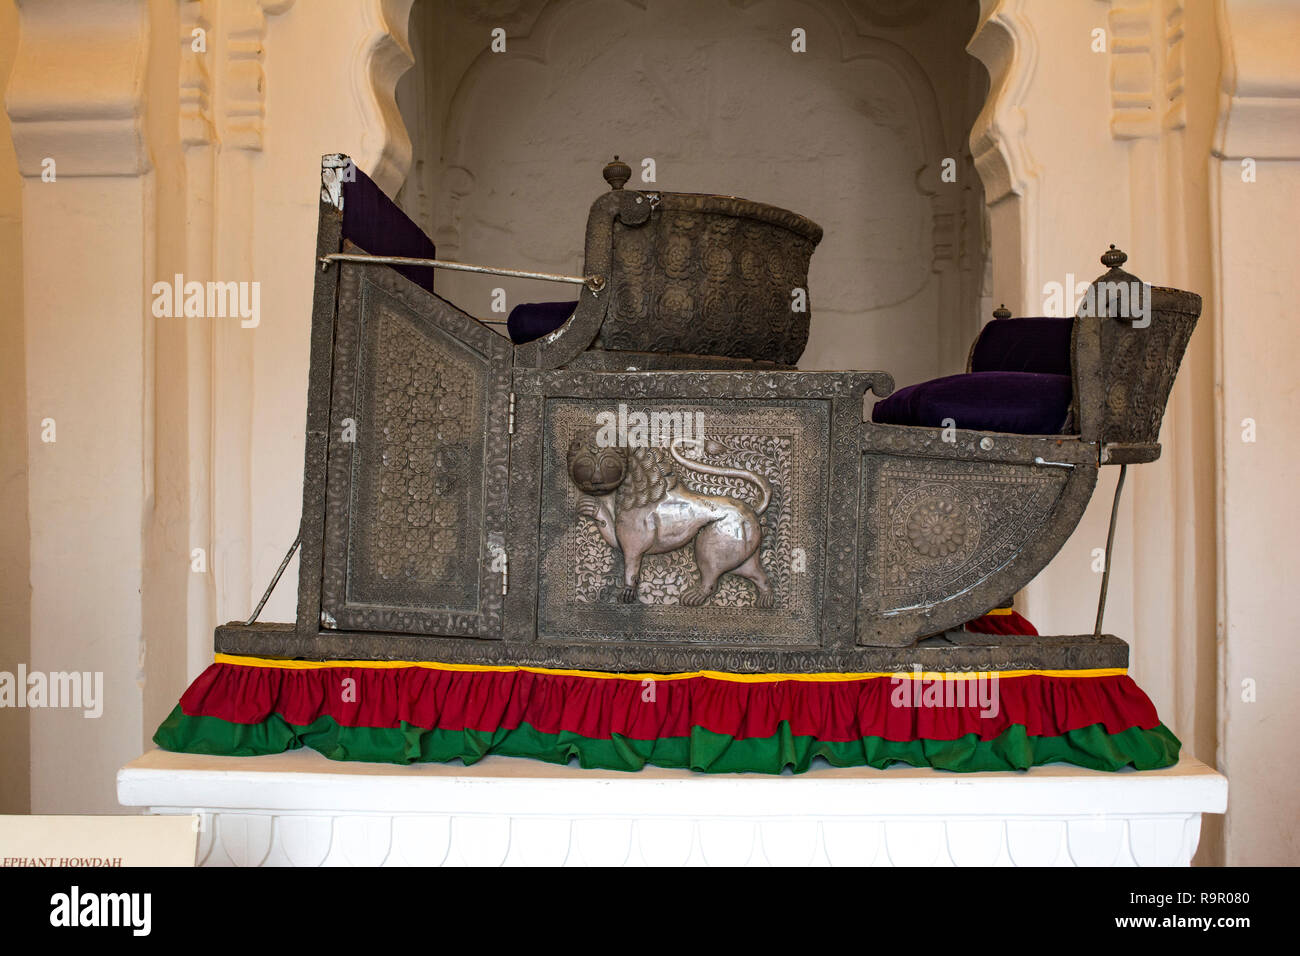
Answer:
(1254, 194)
(197, 134)
(155, 167)
(238, 116)
(75, 102)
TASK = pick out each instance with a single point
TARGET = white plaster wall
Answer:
(1258, 348)
(1261, 522)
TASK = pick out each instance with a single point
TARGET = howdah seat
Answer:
(1018, 380)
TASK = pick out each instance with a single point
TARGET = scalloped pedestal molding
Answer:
(300, 809)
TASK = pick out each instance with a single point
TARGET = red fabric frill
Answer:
(895, 708)
(1009, 622)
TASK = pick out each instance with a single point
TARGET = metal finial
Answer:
(1002, 312)
(616, 173)
(1113, 258)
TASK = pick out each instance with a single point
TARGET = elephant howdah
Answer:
(642, 480)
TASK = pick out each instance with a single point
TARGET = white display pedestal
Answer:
(300, 809)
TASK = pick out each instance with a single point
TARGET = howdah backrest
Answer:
(1129, 339)
(711, 275)
(686, 277)
(1039, 345)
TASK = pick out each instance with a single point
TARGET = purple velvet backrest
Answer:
(376, 224)
(1024, 345)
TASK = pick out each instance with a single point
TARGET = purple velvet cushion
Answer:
(1024, 345)
(1024, 403)
(376, 224)
(532, 320)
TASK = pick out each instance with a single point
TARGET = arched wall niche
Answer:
(853, 133)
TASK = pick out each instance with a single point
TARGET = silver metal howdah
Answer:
(654, 485)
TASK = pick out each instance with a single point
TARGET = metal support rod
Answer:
(275, 580)
(594, 283)
(1110, 545)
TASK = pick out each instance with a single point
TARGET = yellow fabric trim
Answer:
(714, 675)
(998, 610)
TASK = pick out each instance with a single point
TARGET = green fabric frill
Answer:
(702, 750)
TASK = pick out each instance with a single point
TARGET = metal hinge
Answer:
(511, 424)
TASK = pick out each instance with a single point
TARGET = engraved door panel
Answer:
(418, 463)
(771, 597)
(717, 542)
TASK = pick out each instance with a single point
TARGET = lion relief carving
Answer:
(640, 506)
